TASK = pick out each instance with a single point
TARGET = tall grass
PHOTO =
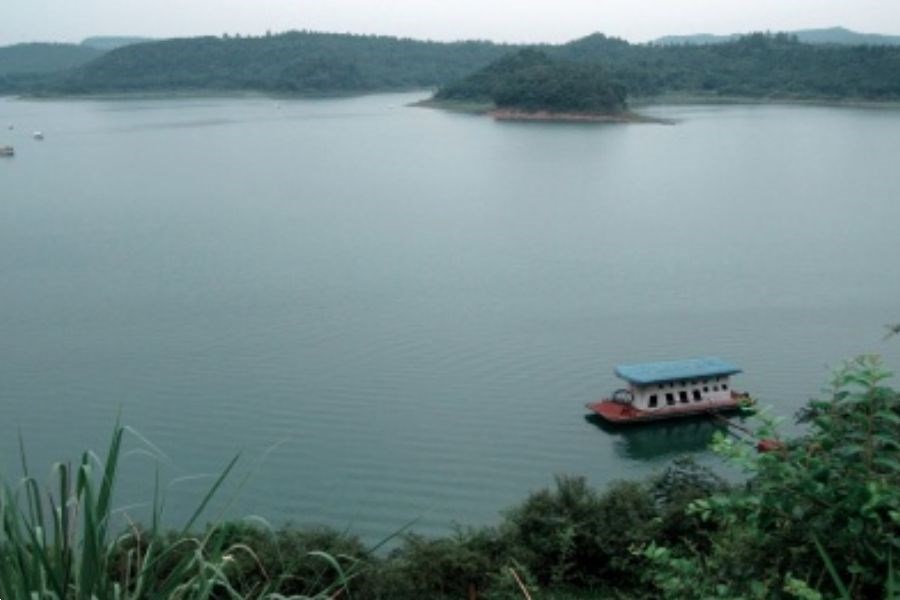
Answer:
(59, 544)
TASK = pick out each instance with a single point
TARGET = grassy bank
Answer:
(818, 517)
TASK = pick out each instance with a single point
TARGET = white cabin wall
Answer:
(712, 389)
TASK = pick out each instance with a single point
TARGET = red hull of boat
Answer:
(616, 412)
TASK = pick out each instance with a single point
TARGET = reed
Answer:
(59, 544)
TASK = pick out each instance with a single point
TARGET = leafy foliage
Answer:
(820, 514)
(470, 561)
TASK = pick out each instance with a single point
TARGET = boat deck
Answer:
(617, 412)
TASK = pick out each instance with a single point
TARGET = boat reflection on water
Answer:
(661, 439)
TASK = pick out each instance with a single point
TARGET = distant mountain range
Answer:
(831, 35)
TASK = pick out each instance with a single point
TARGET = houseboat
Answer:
(665, 390)
(7, 151)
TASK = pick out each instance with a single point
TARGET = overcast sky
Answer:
(498, 20)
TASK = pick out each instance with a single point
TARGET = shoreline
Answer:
(188, 94)
(545, 116)
(488, 108)
(705, 100)
(477, 107)
(537, 116)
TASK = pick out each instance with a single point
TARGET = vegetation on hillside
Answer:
(31, 66)
(818, 517)
(294, 62)
(758, 66)
(755, 66)
(530, 80)
(44, 58)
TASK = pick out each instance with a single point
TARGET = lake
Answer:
(398, 313)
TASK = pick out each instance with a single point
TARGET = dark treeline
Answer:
(294, 62)
(530, 80)
(762, 66)
(756, 66)
(22, 59)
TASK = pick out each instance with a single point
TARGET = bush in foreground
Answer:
(819, 517)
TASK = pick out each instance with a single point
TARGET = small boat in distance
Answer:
(7, 151)
(38, 135)
(670, 389)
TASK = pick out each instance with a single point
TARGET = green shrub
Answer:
(574, 536)
(819, 515)
(449, 567)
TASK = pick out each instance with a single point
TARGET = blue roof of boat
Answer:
(672, 370)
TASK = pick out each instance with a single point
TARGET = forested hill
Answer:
(290, 62)
(44, 58)
(754, 66)
(530, 80)
(760, 66)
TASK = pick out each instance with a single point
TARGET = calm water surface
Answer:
(395, 312)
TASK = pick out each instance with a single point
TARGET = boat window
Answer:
(715, 388)
(696, 395)
(670, 398)
(724, 386)
(652, 402)
(682, 395)
(705, 388)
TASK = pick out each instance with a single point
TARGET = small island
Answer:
(529, 85)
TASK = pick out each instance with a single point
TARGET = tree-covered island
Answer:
(531, 85)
